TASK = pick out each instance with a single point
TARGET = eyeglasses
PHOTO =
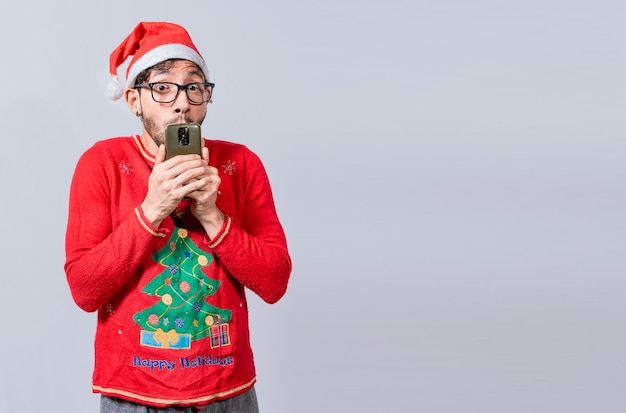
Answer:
(167, 92)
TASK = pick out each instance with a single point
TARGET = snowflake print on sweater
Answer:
(229, 167)
(125, 168)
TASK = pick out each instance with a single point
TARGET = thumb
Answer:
(160, 155)
(205, 154)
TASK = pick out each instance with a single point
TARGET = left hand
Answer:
(205, 184)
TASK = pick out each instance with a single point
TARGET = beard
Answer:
(157, 130)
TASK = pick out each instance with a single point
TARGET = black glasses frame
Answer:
(150, 85)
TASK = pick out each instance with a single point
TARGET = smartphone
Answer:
(182, 139)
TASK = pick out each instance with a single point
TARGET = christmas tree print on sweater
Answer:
(182, 314)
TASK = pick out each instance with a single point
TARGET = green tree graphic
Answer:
(182, 314)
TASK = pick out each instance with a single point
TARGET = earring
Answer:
(138, 114)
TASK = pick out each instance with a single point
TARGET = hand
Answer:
(172, 180)
(204, 196)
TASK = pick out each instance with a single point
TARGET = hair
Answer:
(164, 65)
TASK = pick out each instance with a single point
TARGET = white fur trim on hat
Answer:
(162, 53)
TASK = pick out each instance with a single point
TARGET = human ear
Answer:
(133, 99)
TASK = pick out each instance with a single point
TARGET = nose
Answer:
(181, 103)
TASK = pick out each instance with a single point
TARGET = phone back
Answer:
(182, 139)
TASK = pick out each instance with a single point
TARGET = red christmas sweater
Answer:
(172, 313)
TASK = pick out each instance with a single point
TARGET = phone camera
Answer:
(183, 136)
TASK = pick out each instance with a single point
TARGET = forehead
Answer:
(176, 67)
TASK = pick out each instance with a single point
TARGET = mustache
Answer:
(180, 119)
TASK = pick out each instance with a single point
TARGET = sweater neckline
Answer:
(144, 152)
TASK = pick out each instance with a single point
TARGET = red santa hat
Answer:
(151, 43)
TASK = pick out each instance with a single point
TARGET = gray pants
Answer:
(243, 403)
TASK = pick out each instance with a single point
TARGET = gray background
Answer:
(449, 175)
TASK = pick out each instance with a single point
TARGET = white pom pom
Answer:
(115, 89)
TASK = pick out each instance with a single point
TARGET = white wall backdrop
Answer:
(450, 175)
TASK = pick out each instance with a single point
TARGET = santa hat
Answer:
(151, 43)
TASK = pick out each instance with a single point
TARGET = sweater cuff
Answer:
(222, 232)
(146, 224)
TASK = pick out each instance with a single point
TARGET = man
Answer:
(163, 249)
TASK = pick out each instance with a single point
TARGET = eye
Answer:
(162, 87)
(193, 87)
